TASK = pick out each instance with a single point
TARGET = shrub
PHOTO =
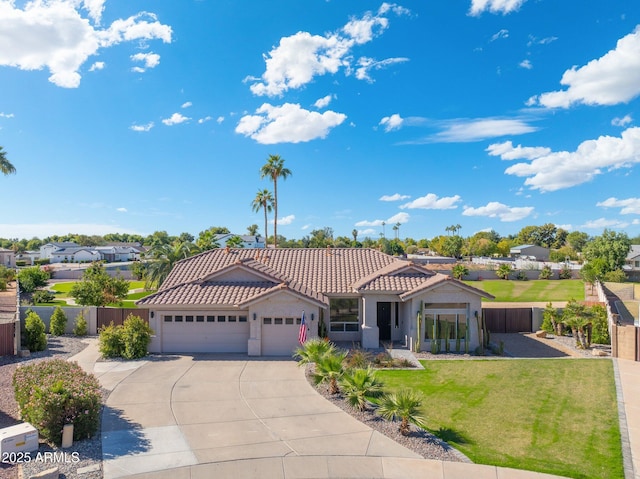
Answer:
(313, 350)
(111, 341)
(42, 296)
(58, 322)
(521, 276)
(358, 358)
(503, 271)
(545, 272)
(53, 393)
(564, 273)
(358, 385)
(35, 338)
(329, 369)
(136, 336)
(80, 327)
(616, 276)
(3, 284)
(600, 327)
(459, 271)
(32, 278)
(405, 405)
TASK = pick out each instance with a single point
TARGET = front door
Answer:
(384, 321)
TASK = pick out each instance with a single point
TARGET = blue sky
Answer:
(157, 115)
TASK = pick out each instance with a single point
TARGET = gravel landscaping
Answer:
(83, 456)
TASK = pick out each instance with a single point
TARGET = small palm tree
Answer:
(164, 258)
(263, 201)
(579, 319)
(312, 350)
(6, 167)
(360, 384)
(329, 369)
(404, 404)
(274, 169)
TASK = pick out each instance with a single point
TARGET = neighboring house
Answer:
(530, 251)
(252, 301)
(632, 263)
(120, 252)
(247, 240)
(29, 257)
(48, 249)
(7, 258)
(76, 254)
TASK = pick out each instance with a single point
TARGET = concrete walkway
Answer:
(218, 416)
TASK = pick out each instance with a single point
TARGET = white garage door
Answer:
(204, 333)
(280, 336)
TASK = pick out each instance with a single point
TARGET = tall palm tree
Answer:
(5, 165)
(263, 200)
(274, 168)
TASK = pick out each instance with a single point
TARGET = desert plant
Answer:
(503, 271)
(312, 350)
(578, 317)
(383, 360)
(552, 320)
(136, 336)
(329, 369)
(35, 337)
(58, 322)
(600, 329)
(404, 404)
(53, 393)
(564, 273)
(360, 384)
(358, 358)
(545, 272)
(459, 271)
(80, 327)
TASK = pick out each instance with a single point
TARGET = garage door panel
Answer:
(280, 336)
(207, 337)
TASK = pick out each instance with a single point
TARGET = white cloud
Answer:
(465, 130)
(97, 66)
(563, 169)
(624, 121)
(288, 123)
(366, 232)
(611, 79)
(286, 220)
(432, 202)
(6, 115)
(323, 102)
(220, 119)
(186, 104)
(365, 65)
(630, 206)
(55, 35)
(150, 60)
(300, 57)
(494, 6)
(602, 223)
(526, 64)
(394, 197)
(370, 223)
(507, 151)
(175, 119)
(499, 35)
(146, 127)
(204, 120)
(121, 210)
(540, 41)
(397, 218)
(495, 209)
(393, 122)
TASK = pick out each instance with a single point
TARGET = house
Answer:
(248, 241)
(75, 254)
(632, 262)
(7, 258)
(29, 257)
(254, 300)
(530, 251)
(48, 249)
(117, 252)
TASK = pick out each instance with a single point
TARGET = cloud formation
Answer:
(175, 119)
(54, 34)
(551, 171)
(432, 202)
(146, 127)
(394, 197)
(478, 129)
(611, 79)
(494, 6)
(401, 218)
(288, 123)
(494, 209)
(300, 57)
(391, 123)
(629, 206)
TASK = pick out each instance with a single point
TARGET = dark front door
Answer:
(384, 321)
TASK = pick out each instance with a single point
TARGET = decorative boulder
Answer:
(598, 352)
(541, 334)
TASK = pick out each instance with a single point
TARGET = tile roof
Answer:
(312, 273)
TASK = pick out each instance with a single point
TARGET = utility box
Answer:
(19, 438)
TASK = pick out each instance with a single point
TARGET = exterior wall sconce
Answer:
(311, 316)
(151, 314)
(475, 314)
(254, 316)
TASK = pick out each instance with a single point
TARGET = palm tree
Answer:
(360, 384)
(263, 200)
(579, 319)
(274, 169)
(313, 350)
(354, 233)
(329, 369)
(404, 404)
(5, 165)
(165, 256)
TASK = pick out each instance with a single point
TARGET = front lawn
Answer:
(539, 290)
(552, 416)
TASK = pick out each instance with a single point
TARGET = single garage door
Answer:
(205, 333)
(280, 336)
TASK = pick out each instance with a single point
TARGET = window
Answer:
(266, 320)
(222, 319)
(298, 321)
(211, 319)
(344, 315)
(444, 325)
(242, 319)
(178, 319)
(277, 321)
(168, 319)
(200, 319)
(232, 319)
(288, 321)
(188, 319)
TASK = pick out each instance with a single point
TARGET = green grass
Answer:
(552, 416)
(65, 288)
(532, 291)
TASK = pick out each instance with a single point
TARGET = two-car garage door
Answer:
(205, 333)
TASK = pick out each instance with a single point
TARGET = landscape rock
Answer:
(52, 473)
(541, 334)
(598, 352)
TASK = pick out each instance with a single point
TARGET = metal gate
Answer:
(508, 320)
(106, 316)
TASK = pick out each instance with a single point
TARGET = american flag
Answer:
(302, 334)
